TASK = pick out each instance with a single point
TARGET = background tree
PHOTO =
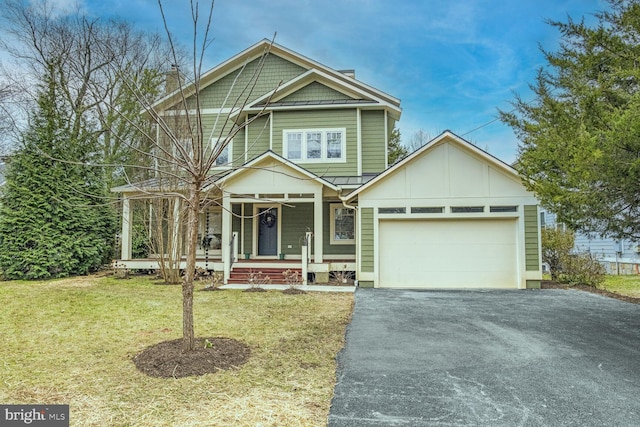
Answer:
(580, 139)
(557, 244)
(53, 220)
(396, 151)
(59, 59)
(417, 140)
(66, 48)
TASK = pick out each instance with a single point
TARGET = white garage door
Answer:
(448, 253)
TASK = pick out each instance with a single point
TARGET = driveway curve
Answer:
(488, 358)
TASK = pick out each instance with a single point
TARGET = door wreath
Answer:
(268, 219)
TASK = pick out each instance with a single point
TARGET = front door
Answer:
(267, 231)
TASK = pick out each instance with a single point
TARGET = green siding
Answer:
(238, 148)
(531, 238)
(248, 227)
(258, 138)
(373, 141)
(533, 284)
(366, 240)
(315, 92)
(328, 248)
(296, 221)
(275, 70)
(319, 119)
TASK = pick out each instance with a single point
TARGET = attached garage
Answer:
(449, 216)
(472, 253)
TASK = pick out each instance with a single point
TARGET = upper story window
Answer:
(224, 158)
(314, 145)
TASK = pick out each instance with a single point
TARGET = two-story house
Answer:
(308, 184)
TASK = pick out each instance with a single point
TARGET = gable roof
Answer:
(316, 71)
(254, 164)
(354, 94)
(444, 136)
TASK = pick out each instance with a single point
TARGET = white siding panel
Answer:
(467, 174)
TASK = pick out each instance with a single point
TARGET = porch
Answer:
(270, 214)
(316, 273)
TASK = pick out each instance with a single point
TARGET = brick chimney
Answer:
(171, 79)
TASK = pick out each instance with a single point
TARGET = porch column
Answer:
(318, 233)
(125, 235)
(226, 236)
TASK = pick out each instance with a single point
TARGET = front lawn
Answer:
(72, 342)
(623, 285)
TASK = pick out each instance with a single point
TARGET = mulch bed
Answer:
(548, 284)
(166, 359)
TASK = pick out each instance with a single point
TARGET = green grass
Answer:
(623, 285)
(72, 341)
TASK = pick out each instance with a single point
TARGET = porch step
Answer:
(243, 275)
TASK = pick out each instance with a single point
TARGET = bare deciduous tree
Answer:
(417, 140)
(66, 48)
(182, 153)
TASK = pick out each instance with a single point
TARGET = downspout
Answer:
(343, 199)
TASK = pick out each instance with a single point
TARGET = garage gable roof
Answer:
(444, 136)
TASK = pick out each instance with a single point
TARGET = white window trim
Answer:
(332, 225)
(323, 157)
(229, 147)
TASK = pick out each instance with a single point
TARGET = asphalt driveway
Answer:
(489, 358)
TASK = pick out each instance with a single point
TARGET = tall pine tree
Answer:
(54, 219)
(580, 139)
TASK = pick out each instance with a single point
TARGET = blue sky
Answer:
(452, 63)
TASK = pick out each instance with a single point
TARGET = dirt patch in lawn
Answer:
(167, 360)
(548, 284)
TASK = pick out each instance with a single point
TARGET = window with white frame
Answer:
(342, 224)
(314, 145)
(224, 158)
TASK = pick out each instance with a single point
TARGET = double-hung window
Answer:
(314, 145)
(342, 225)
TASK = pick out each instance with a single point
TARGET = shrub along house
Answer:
(307, 185)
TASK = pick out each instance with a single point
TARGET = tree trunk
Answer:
(193, 206)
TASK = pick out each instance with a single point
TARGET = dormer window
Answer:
(314, 145)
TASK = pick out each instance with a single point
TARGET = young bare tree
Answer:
(181, 147)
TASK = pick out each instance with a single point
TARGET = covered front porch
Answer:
(268, 214)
